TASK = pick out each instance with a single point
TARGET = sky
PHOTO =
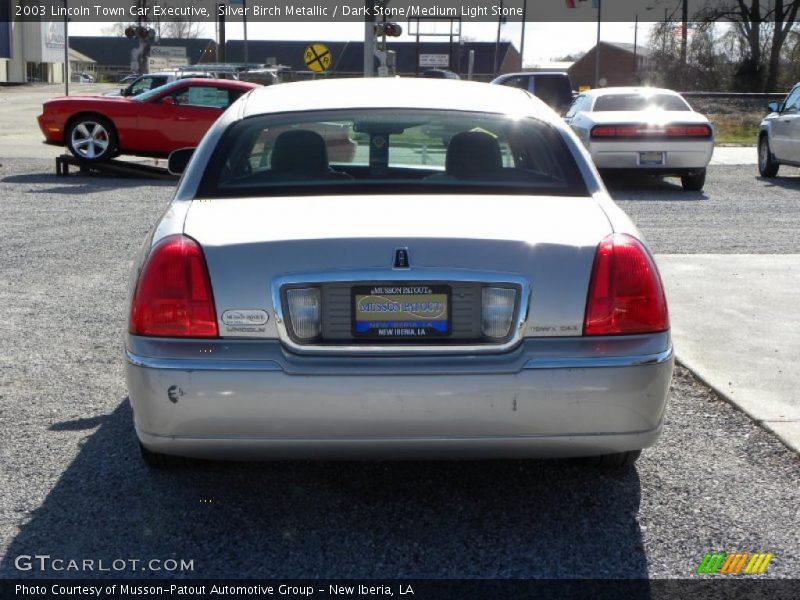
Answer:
(543, 41)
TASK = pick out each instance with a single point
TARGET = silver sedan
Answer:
(646, 130)
(460, 285)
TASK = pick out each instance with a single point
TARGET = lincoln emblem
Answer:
(401, 259)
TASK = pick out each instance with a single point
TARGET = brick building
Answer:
(620, 65)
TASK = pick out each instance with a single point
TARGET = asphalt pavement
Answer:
(74, 487)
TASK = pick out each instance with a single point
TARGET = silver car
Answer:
(779, 135)
(644, 130)
(460, 285)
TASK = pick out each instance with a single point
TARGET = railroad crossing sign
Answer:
(318, 58)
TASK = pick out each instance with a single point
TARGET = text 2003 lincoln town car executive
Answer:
(461, 287)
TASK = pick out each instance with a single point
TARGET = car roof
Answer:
(610, 91)
(212, 82)
(553, 71)
(396, 92)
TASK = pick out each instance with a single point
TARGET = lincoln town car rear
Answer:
(457, 285)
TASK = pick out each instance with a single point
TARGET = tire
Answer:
(621, 461)
(91, 138)
(160, 462)
(767, 165)
(694, 182)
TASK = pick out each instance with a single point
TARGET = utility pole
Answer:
(244, 25)
(597, 47)
(221, 57)
(522, 36)
(145, 36)
(497, 43)
(369, 40)
(66, 50)
(684, 32)
(636, 50)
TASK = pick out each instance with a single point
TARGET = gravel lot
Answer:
(73, 485)
(737, 213)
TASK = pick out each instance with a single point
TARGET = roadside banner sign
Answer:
(164, 58)
(434, 60)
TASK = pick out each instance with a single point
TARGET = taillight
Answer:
(688, 131)
(173, 296)
(625, 291)
(604, 131)
(645, 131)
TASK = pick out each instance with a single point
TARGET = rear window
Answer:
(391, 151)
(633, 102)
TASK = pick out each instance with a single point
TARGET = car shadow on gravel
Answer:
(632, 186)
(81, 184)
(495, 519)
(789, 183)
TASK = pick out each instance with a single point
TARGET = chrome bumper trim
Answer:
(600, 361)
(571, 362)
(182, 364)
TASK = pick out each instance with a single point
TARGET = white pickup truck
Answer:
(145, 83)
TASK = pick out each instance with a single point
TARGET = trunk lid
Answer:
(549, 241)
(652, 117)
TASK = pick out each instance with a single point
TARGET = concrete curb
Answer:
(764, 424)
(734, 324)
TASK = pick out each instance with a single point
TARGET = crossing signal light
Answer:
(140, 32)
(388, 29)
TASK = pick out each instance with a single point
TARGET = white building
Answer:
(30, 51)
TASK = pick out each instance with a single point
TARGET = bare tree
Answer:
(181, 28)
(184, 29)
(764, 26)
(791, 60)
(116, 29)
(784, 15)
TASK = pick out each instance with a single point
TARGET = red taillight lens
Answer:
(644, 131)
(603, 131)
(688, 131)
(625, 292)
(173, 296)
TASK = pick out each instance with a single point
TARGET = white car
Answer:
(648, 130)
(779, 135)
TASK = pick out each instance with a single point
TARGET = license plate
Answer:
(651, 158)
(401, 311)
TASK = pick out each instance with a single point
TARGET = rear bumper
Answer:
(677, 156)
(527, 405)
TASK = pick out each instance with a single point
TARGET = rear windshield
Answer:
(617, 102)
(390, 151)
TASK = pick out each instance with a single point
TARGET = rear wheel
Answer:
(622, 460)
(767, 165)
(91, 138)
(694, 182)
(158, 461)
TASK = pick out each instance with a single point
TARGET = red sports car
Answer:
(154, 123)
